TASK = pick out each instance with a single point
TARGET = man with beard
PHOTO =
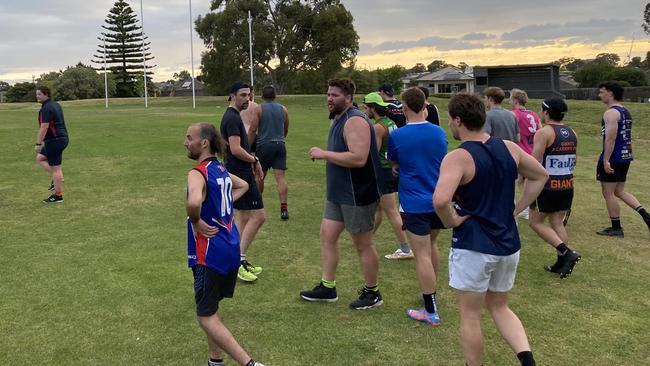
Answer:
(353, 191)
(485, 242)
(210, 192)
(239, 161)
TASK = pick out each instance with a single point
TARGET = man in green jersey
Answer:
(377, 110)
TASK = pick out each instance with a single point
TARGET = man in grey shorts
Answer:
(485, 241)
(353, 192)
(499, 122)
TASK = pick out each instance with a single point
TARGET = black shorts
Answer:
(53, 150)
(619, 175)
(210, 287)
(553, 201)
(272, 155)
(422, 223)
(390, 181)
(252, 199)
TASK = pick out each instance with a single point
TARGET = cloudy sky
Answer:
(38, 36)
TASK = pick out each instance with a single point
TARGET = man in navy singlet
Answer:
(555, 146)
(614, 161)
(213, 239)
(485, 242)
(51, 140)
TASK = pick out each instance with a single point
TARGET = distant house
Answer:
(446, 80)
(538, 80)
(181, 88)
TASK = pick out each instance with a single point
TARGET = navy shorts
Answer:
(619, 175)
(272, 155)
(210, 287)
(252, 199)
(390, 181)
(422, 223)
(53, 150)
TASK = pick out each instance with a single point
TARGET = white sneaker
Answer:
(398, 254)
(524, 214)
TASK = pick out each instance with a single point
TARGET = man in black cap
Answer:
(395, 111)
(240, 162)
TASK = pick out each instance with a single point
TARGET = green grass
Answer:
(101, 279)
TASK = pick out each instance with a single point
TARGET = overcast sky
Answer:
(39, 36)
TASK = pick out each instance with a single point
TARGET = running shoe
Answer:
(611, 232)
(555, 267)
(568, 261)
(367, 299)
(424, 316)
(320, 293)
(251, 268)
(399, 254)
(284, 215)
(53, 199)
(245, 275)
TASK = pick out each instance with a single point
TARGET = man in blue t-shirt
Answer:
(416, 152)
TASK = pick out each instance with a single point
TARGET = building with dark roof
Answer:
(538, 80)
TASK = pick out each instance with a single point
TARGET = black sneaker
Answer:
(555, 267)
(367, 299)
(611, 232)
(567, 262)
(284, 215)
(53, 199)
(51, 189)
(320, 293)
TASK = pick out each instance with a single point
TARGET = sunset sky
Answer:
(41, 36)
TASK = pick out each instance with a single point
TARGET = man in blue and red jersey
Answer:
(485, 241)
(614, 161)
(51, 140)
(213, 238)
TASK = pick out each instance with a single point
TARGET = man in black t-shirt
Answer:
(432, 110)
(240, 162)
(395, 111)
(51, 140)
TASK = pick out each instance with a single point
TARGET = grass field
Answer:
(102, 280)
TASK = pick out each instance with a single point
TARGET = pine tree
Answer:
(122, 47)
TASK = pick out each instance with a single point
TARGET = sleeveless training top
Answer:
(353, 186)
(221, 252)
(622, 152)
(560, 159)
(489, 199)
(271, 124)
(528, 122)
(390, 126)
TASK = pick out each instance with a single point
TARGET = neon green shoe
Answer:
(245, 275)
(251, 268)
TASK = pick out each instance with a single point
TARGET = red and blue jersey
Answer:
(221, 252)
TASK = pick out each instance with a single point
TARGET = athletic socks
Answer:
(526, 358)
(405, 248)
(561, 249)
(430, 303)
(372, 289)
(328, 284)
(644, 214)
(283, 206)
(616, 223)
(215, 362)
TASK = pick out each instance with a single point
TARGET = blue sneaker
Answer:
(423, 316)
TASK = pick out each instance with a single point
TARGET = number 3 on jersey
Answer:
(226, 195)
(533, 124)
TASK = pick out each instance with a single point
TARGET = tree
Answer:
(636, 62)
(631, 75)
(463, 66)
(419, 67)
(4, 86)
(123, 50)
(81, 82)
(646, 19)
(436, 65)
(21, 92)
(183, 75)
(592, 74)
(392, 76)
(610, 58)
(291, 37)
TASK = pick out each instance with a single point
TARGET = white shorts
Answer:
(479, 272)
